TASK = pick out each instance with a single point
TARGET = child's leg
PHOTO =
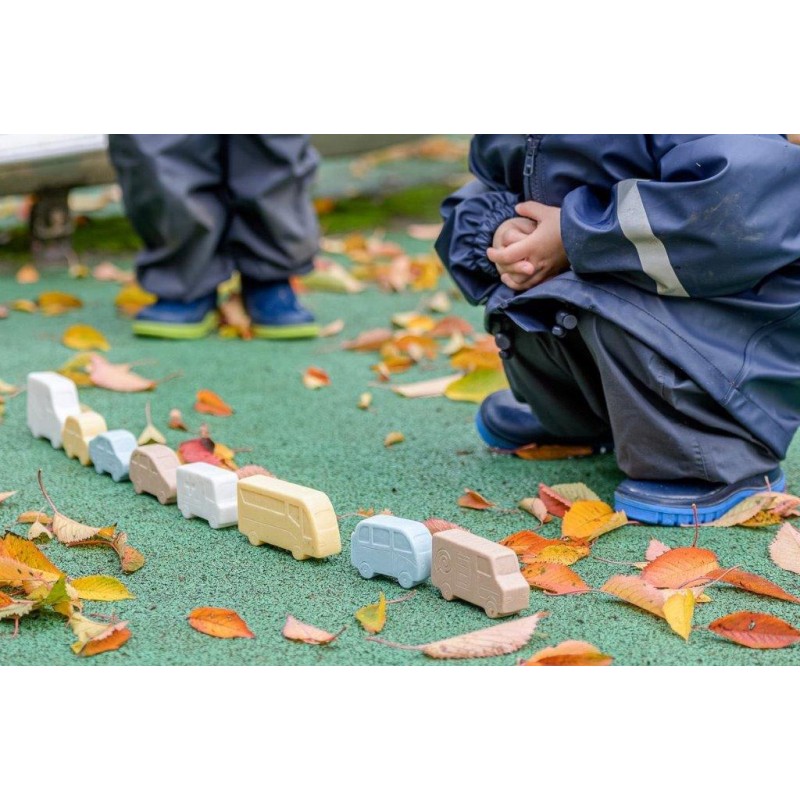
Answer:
(173, 191)
(665, 426)
(274, 232)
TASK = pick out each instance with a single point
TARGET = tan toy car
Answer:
(481, 572)
(296, 518)
(153, 469)
(78, 431)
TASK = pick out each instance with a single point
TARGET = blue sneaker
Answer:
(506, 424)
(173, 319)
(670, 502)
(276, 312)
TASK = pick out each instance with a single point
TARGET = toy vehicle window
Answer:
(380, 537)
(483, 566)
(363, 535)
(506, 565)
(401, 543)
(294, 514)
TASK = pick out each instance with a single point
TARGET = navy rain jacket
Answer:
(689, 243)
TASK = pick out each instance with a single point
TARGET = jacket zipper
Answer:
(529, 171)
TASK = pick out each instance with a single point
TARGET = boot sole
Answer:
(175, 330)
(668, 516)
(307, 331)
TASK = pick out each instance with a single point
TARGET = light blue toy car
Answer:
(392, 546)
(111, 452)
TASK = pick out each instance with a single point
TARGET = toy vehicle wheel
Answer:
(213, 523)
(299, 555)
(491, 610)
(404, 579)
(254, 541)
(447, 592)
(162, 498)
(137, 489)
(365, 570)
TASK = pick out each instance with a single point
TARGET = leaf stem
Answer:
(44, 492)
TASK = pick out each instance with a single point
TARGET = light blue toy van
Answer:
(392, 546)
(111, 452)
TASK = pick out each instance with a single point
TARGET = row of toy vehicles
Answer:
(271, 511)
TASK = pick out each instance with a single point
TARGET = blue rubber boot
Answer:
(670, 502)
(506, 424)
(276, 312)
(173, 319)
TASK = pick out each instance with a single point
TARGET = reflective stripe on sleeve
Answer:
(652, 253)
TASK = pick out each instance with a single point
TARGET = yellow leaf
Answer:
(476, 386)
(132, 299)
(678, 611)
(84, 337)
(395, 437)
(28, 306)
(101, 587)
(373, 616)
(365, 400)
(151, 435)
(588, 519)
(52, 303)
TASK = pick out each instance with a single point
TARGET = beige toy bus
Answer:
(78, 431)
(479, 571)
(295, 518)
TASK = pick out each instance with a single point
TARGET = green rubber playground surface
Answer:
(320, 439)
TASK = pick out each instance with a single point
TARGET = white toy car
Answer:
(51, 399)
(208, 492)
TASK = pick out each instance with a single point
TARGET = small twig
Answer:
(696, 525)
(147, 416)
(171, 376)
(769, 485)
(44, 492)
(615, 563)
(403, 598)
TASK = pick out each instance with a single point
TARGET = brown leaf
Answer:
(751, 583)
(208, 402)
(569, 654)
(315, 378)
(29, 517)
(758, 631)
(555, 579)
(116, 377)
(535, 507)
(784, 550)
(368, 341)
(681, 567)
(176, 420)
(301, 632)
(507, 637)
(221, 623)
(471, 499)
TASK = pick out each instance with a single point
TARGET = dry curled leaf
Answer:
(208, 402)
(364, 401)
(755, 630)
(784, 550)
(553, 501)
(569, 654)
(97, 637)
(474, 500)
(234, 315)
(373, 616)
(5, 495)
(176, 420)
(395, 437)
(222, 623)
(751, 583)
(316, 378)
(301, 632)
(367, 341)
(535, 507)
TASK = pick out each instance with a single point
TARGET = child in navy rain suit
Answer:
(645, 294)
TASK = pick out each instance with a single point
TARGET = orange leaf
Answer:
(759, 631)
(751, 583)
(551, 452)
(588, 519)
(681, 567)
(220, 622)
(497, 640)
(447, 326)
(558, 553)
(392, 438)
(210, 403)
(315, 378)
(555, 579)
(470, 359)
(113, 641)
(252, 469)
(27, 274)
(655, 549)
(176, 420)
(553, 501)
(526, 542)
(27, 553)
(784, 550)
(368, 340)
(301, 632)
(194, 451)
(632, 589)
(569, 654)
(116, 377)
(471, 499)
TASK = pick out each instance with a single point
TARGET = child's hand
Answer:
(536, 256)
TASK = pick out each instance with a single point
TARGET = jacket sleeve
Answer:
(471, 216)
(718, 215)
